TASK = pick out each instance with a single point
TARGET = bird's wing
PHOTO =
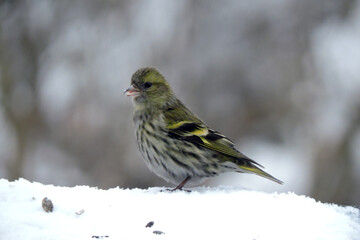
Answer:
(199, 134)
(190, 128)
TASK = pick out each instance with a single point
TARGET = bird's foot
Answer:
(175, 189)
(180, 186)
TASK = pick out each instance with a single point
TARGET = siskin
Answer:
(175, 144)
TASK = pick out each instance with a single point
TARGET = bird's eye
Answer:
(147, 85)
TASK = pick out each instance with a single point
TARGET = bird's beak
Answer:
(132, 91)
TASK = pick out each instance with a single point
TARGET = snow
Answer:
(204, 213)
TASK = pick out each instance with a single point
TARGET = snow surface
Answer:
(204, 213)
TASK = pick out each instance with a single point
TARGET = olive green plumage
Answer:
(175, 144)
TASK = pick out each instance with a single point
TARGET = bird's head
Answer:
(149, 88)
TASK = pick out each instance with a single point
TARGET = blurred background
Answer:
(281, 78)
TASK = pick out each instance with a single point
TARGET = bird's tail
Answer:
(251, 168)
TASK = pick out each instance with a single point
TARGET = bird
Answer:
(175, 144)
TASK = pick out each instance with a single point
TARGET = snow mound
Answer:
(83, 212)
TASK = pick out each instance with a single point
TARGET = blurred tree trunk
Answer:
(24, 122)
(333, 178)
(333, 168)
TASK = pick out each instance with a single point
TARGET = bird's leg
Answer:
(182, 184)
